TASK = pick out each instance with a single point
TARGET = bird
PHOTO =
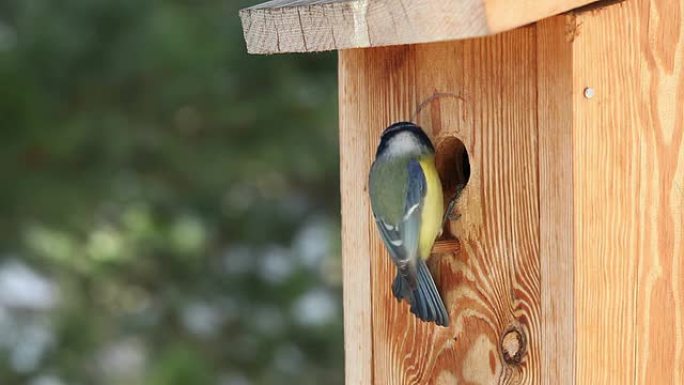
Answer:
(407, 204)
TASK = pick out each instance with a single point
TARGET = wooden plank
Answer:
(596, 237)
(606, 190)
(281, 26)
(629, 169)
(492, 282)
(491, 277)
(660, 296)
(355, 157)
(555, 121)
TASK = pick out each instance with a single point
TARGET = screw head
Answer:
(589, 93)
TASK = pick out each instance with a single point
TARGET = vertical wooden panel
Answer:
(376, 89)
(491, 282)
(355, 156)
(629, 166)
(607, 141)
(555, 117)
(660, 293)
(485, 93)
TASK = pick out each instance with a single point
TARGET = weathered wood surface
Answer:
(491, 278)
(281, 26)
(629, 202)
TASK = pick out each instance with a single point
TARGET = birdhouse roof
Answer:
(282, 26)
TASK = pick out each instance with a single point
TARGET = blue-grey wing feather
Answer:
(402, 239)
(410, 224)
(392, 238)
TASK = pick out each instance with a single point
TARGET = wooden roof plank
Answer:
(282, 26)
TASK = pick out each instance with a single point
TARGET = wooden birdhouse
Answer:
(564, 120)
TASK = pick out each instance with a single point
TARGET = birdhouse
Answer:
(559, 123)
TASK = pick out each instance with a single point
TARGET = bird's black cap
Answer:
(399, 127)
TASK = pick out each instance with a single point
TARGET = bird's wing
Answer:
(402, 240)
(410, 224)
(414, 282)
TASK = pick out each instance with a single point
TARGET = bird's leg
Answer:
(448, 214)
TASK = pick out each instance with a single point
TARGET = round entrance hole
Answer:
(453, 166)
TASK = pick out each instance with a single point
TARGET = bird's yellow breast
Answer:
(433, 207)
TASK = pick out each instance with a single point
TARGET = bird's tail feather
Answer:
(401, 288)
(425, 300)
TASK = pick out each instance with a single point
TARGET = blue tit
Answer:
(406, 199)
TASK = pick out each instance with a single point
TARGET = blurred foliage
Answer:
(176, 198)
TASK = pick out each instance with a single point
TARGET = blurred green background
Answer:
(168, 204)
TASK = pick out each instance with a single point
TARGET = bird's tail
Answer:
(425, 301)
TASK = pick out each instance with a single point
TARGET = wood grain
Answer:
(629, 221)
(485, 92)
(281, 26)
(555, 122)
(492, 282)
(355, 156)
(567, 263)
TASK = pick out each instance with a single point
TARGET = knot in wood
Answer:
(513, 345)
